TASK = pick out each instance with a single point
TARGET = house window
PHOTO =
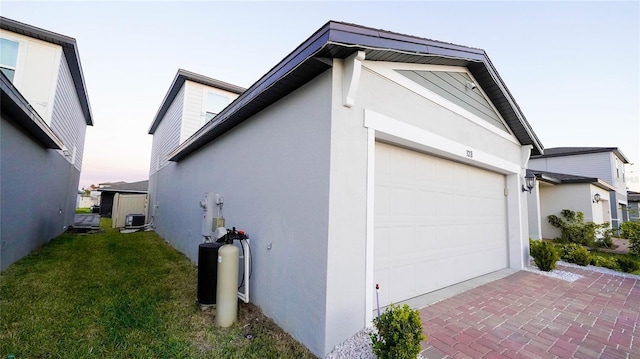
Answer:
(617, 169)
(215, 104)
(8, 57)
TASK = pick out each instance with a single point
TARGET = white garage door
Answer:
(437, 223)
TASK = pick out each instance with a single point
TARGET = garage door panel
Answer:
(443, 223)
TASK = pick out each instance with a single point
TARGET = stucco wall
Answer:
(38, 200)
(273, 172)
(576, 197)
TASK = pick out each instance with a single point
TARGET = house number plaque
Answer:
(469, 154)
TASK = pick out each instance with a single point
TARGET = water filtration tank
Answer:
(227, 301)
(208, 272)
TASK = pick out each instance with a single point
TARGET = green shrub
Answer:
(631, 231)
(544, 254)
(575, 253)
(399, 333)
(573, 229)
(605, 262)
(628, 264)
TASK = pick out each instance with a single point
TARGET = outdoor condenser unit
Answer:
(134, 220)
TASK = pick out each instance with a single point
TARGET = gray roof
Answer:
(70, 49)
(633, 196)
(133, 187)
(563, 178)
(23, 115)
(340, 40)
(571, 151)
(177, 83)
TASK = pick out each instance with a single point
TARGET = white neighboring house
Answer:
(45, 113)
(605, 164)
(555, 192)
(364, 157)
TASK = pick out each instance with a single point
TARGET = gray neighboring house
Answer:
(605, 163)
(108, 190)
(364, 157)
(45, 112)
(634, 205)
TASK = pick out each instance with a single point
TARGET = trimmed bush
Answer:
(544, 254)
(605, 262)
(399, 333)
(628, 265)
(631, 231)
(575, 253)
(573, 229)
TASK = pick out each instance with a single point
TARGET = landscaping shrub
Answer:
(399, 333)
(544, 254)
(631, 231)
(605, 262)
(573, 229)
(575, 253)
(628, 264)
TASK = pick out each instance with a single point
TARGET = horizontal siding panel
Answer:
(67, 118)
(595, 165)
(167, 136)
(452, 86)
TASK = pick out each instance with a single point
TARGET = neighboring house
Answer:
(555, 192)
(364, 157)
(45, 112)
(604, 163)
(192, 101)
(88, 198)
(108, 191)
(634, 205)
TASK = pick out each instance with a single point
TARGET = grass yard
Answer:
(83, 210)
(113, 295)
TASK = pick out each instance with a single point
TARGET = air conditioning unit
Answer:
(134, 220)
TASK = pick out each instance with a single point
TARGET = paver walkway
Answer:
(86, 221)
(528, 315)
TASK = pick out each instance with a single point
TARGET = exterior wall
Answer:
(36, 73)
(68, 121)
(596, 165)
(38, 200)
(634, 211)
(348, 254)
(576, 197)
(273, 172)
(194, 107)
(167, 136)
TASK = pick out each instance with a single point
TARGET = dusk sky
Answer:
(573, 67)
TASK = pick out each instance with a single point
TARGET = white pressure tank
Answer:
(227, 287)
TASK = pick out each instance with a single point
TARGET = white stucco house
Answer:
(45, 113)
(604, 165)
(554, 192)
(364, 157)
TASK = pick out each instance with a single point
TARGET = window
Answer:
(8, 57)
(215, 104)
(617, 168)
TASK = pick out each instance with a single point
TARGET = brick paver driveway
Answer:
(528, 315)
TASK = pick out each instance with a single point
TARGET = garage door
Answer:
(437, 223)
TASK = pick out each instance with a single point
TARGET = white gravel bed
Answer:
(558, 274)
(357, 347)
(600, 270)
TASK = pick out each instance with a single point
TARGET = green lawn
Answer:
(83, 210)
(113, 295)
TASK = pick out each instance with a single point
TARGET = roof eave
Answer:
(354, 38)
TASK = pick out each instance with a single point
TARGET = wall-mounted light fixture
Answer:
(596, 198)
(529, 182)
(471, 85)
